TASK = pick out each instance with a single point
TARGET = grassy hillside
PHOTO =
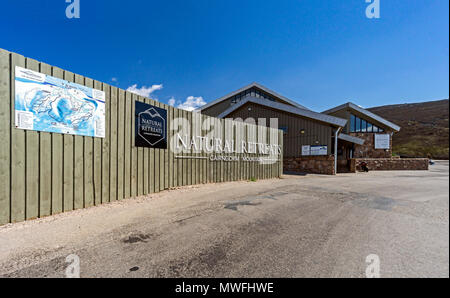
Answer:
(425, 128)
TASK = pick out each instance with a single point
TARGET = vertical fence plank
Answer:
(211, 166)
(198, 161)
(157, 163)
(193, 151)
(229, 138)
(109, 148)
(32, 162)
(128, 136)
(68, 157)
(237, 144)
(200, 152)
(151, 170)
(97, 154)
(78, 163)
(248, 138)
(5, 132)
(185, 161)
(120, 141)
(179, 161)
(202, 133)
(217, 133)
(216, 165)
(145, 160)
(175, 160)
(134, 167)
(258, 165)
(89, 183)
(18, 182)
(152, 165)
(211, 125)
(140, 163)
(169, 147)
(254, 140)
(45, 164)
(222, 137)
(166, 151)
(195, 161)
(162, 168)
(57, 162)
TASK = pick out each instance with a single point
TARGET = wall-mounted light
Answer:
(302, 131)
(249, 109)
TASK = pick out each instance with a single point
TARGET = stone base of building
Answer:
(309, 165)
(390, 164)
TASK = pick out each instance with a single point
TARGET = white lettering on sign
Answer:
(217, 145)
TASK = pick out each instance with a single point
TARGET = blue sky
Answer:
(320, 53)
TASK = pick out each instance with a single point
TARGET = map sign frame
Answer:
(49, 104)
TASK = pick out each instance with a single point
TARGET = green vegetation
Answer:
(416, 149)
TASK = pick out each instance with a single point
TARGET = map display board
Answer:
(49, 104)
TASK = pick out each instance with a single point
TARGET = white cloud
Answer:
(172, 101)
(114, 79)
(144, 91)
(191, 103)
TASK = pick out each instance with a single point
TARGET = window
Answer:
(363, 126)
(360, 125)
(284, 129)
(352, 122)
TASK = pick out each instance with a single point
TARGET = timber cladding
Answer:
(44, 173)
(315, 132)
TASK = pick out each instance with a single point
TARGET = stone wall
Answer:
(309, 164)
(367, 150)
(390, 164)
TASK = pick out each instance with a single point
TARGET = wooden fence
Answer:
(45, 173)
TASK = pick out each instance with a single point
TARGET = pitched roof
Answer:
(259, 86)
(365, 112)
(286, 108)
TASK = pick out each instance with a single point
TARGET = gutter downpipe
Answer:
(335, 148)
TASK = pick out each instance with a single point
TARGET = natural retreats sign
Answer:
(151, 126)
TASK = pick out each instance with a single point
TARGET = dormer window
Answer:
(360, 125)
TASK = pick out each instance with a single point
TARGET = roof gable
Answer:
(354, 107)
(286, 108)
(253, 85)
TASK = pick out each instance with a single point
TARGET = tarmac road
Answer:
(299, 226)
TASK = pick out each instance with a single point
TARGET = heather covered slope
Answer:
(425, 128)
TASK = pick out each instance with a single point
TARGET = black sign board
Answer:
(151, 126)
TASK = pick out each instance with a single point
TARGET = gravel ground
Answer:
(298, 226)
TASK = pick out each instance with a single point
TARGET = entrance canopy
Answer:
(351, 139)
